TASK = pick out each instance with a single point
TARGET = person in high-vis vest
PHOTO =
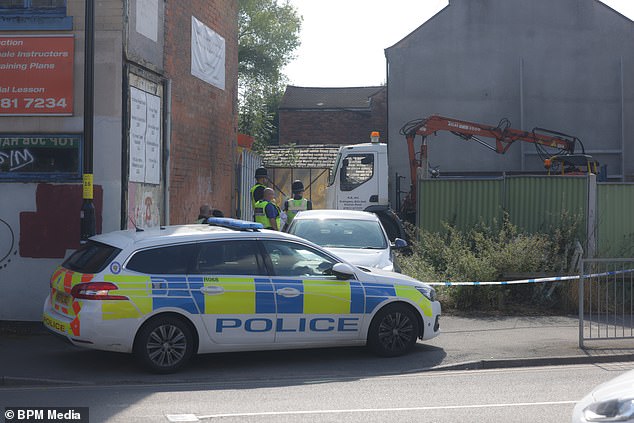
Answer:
(267, 212)
(257, 190)
(298, 203)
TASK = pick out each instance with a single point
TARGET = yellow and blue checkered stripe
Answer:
(243, 295)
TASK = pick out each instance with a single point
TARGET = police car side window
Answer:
(229, 258)
(292, 259)
(172, 260)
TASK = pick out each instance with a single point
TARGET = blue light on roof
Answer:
(234, 223)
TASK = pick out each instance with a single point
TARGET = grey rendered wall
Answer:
(565, 65)
(146, 33)
(25, 280)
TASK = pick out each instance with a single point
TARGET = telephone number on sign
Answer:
(33, 103)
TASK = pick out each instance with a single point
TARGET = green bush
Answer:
(493, 253)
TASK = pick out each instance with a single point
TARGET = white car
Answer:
(166, 294)
(612, 401)
(356, 236)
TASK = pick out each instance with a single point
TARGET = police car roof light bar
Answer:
(236, 224)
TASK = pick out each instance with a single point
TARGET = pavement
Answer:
(32, 356)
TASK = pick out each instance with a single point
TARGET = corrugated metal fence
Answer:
(615, 224)
(245, 175)
(534, 204)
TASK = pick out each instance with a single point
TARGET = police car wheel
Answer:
(393, 331)
(164, 344)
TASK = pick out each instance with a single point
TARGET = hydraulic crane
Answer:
(504, 136)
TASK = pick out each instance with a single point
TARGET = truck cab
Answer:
(358, 179)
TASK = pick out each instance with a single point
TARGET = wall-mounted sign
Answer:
(36, 75)
(147, 16)
(145, 137)
(40, 157)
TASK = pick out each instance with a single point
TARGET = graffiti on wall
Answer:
(8, 248)
(32, 156)
(16, 159)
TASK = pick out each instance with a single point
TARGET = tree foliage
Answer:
(268, 34)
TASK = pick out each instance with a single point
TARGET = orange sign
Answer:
(36, 75)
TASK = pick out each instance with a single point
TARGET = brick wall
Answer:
(334, 126)
(204, 118)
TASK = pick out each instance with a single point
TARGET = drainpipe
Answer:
(167, 137)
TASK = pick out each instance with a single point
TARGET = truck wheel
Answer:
(393, 331)
(164, 344)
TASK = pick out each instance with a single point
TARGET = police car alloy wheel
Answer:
(164, 344)
(393, 331)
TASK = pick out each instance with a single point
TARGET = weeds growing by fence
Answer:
(496, 253)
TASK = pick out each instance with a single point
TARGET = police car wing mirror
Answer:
(343, 271)
(399, 243)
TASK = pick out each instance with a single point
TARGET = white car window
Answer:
(292, 259)
(169, 260)
(229, 258)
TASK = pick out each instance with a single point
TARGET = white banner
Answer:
(208, 54)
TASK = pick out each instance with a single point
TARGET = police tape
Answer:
(536, 280)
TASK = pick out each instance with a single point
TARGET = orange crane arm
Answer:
(503, 135)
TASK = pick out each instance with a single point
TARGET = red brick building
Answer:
(309, 115)
(204, 117)
(165, 126)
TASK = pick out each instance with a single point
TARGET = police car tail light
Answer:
(96, 291)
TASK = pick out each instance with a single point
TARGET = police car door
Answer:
(312, 305)
(236, 300)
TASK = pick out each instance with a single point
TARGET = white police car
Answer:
(165, 294)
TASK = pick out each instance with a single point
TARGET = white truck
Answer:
(359, 181)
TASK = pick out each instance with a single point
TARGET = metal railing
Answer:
(606, 300)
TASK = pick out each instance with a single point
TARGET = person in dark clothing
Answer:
(257, 190)
(206, 212)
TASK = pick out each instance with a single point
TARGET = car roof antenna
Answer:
(135, 226)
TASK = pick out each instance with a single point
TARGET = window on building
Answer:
(40, 157)
(33, 6)
(34, 14)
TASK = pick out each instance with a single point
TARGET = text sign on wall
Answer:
(36, 75)
(145, 137)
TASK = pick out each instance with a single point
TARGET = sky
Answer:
(343, 41)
